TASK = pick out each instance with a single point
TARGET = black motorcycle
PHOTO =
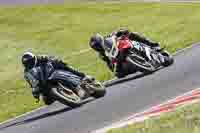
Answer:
(137, 56)
(55, 85)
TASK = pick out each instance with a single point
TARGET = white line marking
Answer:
(186, 48)
(81, 52)
(131, 119)
(9, 120)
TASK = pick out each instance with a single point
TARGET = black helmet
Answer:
(29, 60)
(122, 32)
(96, 42)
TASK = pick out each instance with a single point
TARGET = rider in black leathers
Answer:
(97, 41)
(29, 61)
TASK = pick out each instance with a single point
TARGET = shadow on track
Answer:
(42, 116)
(134, 76)
(128, 78)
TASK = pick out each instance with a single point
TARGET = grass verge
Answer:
(63, 29)
(183, 120)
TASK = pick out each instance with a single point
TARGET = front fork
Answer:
(157, 57)
(148, 53)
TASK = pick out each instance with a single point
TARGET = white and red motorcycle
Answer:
(139, 56)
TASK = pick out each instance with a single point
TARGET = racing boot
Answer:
(119, 73)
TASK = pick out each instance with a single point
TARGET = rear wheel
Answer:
(66, 96)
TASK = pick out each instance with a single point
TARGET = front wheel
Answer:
(168, 59)
(140, 63)
(99, 90)
(66, 96)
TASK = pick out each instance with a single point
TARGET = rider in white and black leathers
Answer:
(98, 40)
(29, 61)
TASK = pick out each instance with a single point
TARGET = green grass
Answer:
(183, 120)
(63, 29)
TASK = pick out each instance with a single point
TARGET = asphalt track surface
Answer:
(131, 95)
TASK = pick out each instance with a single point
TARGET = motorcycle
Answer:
(56, 85)
(136, 56)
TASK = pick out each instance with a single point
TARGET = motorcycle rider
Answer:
(29, 61)
(97, 42)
